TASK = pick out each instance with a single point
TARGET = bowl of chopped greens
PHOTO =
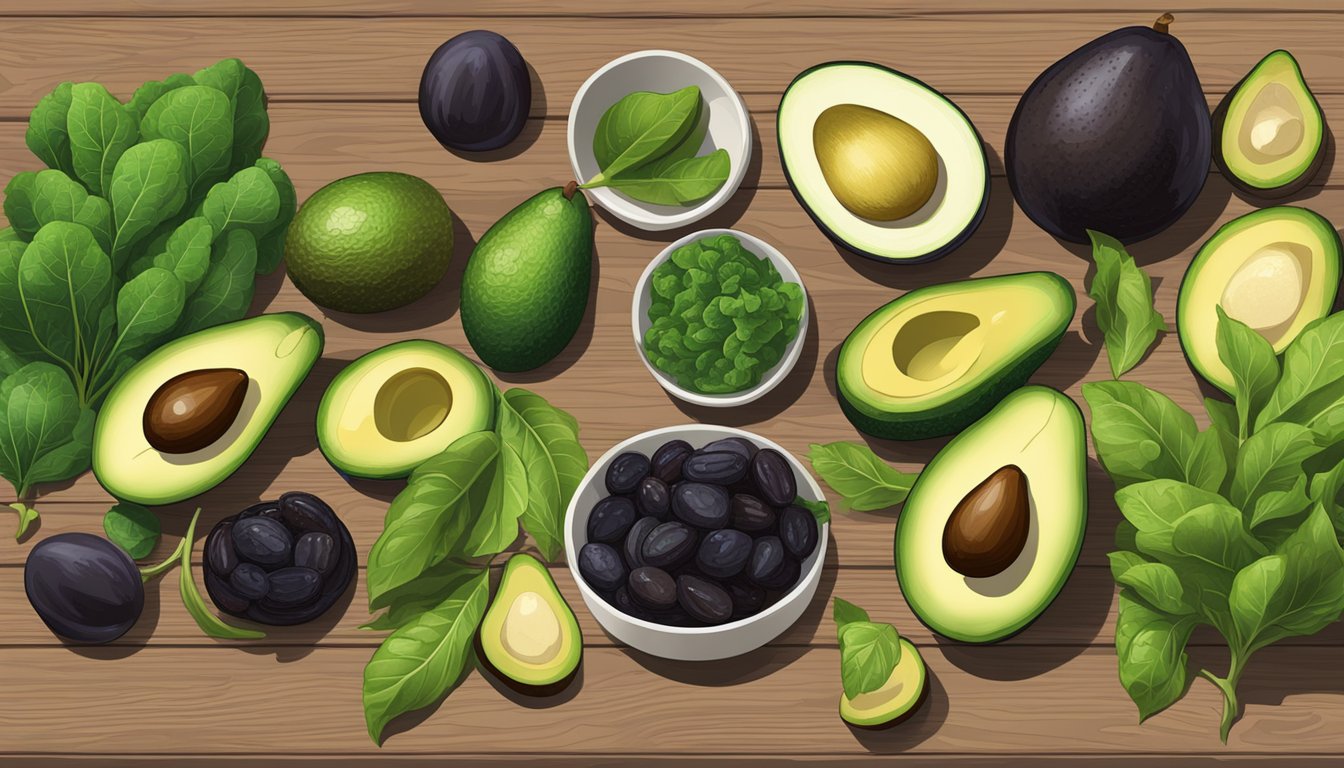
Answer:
(719, 318)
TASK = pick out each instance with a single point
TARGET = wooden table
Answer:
(342, 79)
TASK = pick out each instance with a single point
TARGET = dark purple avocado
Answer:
(475, 92)
(1114, 137)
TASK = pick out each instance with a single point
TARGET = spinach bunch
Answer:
(459, 508)
(1236, 526)
(150, 222)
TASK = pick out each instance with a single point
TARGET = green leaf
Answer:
(1150, 646)
(1281, 503)
(864, 481)
(421, 594)
(1253, 364)
(226, 291)
(1311, 390)
(420, 661)
(1124, 297)
(33, 200)
(147, 309)
(249, 200)
(48, 135)
(201, 120)
(146, 95)
(27, 516)
(250, 121)
(1153, 507)
(868, 654)
(682, 182)
(65, 285)
(1206, 466)
(1215, 534)
(819, 509)
(187, 252)
(497, 521)
(101, 129)
(1222, 415)
(148, 187)
(133, 528)
(641, 127)
(1270, 460)
(210, 624)
(545, 439)
(1156, 583)
(1139, 434)
(1299, 590)
(845, 612)
(271, 244)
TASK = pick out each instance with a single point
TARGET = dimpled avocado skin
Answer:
(369, 243)
(525, 288)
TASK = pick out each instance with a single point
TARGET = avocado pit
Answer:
(879, 166)
(1266, 291)
(411, 404)
(988, 529)
(531, 630)
(192, 410)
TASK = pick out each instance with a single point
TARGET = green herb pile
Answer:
(646, 146)
(429, 566)
(150, 222)
(721, 316)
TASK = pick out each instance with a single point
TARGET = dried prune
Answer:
(718, 467)
(704, 600)
(219, 554)
(633, 546)
(263, 541)
(723, 553)
(740, 445)
(625, 472)
(611, 519)
(652, 588)
(667, 460)
(316, 550)
(669, 545)
(701, 504)
(601, 566)
(748, 599)
(751, 515)
(653, 497)
(774, 477)
(798, 531)
(249, 581)
(767, 561)
(293, 586)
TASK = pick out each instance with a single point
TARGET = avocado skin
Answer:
(1273, 193)
(901, 718)
(525, 287)
(1134, 154)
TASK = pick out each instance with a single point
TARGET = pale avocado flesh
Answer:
(276, 352)
(904, 691)
(939, 357)
(1040, 431)
(529, 637)
(1271, 130)
(398, 405)
(1276, 269)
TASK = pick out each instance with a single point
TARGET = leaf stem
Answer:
(152, 571)
(1228, 686)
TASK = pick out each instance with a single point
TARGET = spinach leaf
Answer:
(48, 136)
(545, 438)
(100, 131)
(641, 127)
(249, 200)
(864, 481)
(146, 95)
(1207, 464)
(271, 244)
(1124, 297)
(65, 285)
(844, 612)
(1254, 367)
(133, 528)
(15, 330)
(201, 120)
(1222, 415)
(45, 435)
(419, 662)
(250, 121)
(1139, 433)
(1298, 590)
(1156, 583)
(148, 187)
(33, 200)
(1150, 645)
(868, 654)
(681, 182)
(1311, 390)
(187, 252)
(226, 291)
(1270, 460)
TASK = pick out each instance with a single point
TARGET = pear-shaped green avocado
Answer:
(1270, 129)
(529, 637)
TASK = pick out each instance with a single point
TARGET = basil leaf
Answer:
(682, 182)
(419, 662)
(133, 528)
(421, 594)
(868, 654)
(864, 481)
(1215, 534)
(497, 519)
(641, 127)
(1150, 646)
(201, 120)
(1156, 583)
(226, 291)
(48, 136)
(544, 437)
(1206, 466)
(148, 187)
(1124, 297)
(845, 612)
(1139, 433)
(1281, 503)
(1253, 364)
(1222, 415)
(1311, 390)
(1298, 590)
(1270, 460)
(819, 509)
(100, 131)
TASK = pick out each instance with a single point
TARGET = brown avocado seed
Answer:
(194, 409)
(988, 529)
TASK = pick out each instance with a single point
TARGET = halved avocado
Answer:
(268, 357)
(529, 637)
(1271, 131)
(883, 135)
(398, 405)
(1035, 435)
(897, 699)
(940, 357)
(1275, 269)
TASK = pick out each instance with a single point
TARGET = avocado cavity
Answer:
(531, 631)
(1266, 291)
(412, 403)
(1274, 125)
(987, 530)
(936, 346)
(192, 410)
(879, 166)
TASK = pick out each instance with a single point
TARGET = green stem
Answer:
(1228, 685)
(152, 571)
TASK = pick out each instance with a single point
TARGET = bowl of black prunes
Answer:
(695, 542)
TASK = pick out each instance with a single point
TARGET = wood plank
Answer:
(381, 58)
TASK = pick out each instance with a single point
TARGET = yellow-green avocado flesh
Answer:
(904, 691)
(1271, 131)
(529, 637)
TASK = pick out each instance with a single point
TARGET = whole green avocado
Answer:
(525, 288)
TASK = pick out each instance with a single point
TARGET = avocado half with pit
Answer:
(1270, 128)
(1276, 270)
(398, 405)
(939, 357)
(993, 525)
(896, 700)
(529, 638)
(886, 166)
(189, 414)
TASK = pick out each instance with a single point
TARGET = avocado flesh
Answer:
(1271, 129)
(529, 637)
(1040, 431)
(1276, 269)
(397, 406)
(939, 357)
(956, 203)
(276, 351)
(898, 698)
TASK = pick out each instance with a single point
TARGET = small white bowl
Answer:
(661, 72)
(639, 322)
(691, 643)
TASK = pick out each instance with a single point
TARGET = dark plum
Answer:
(701, 504)
(667, 460)
(704, 600)
(601, 566)
(475, 92)
(263, 541)
(219, 554)
(774, 477)
(652, 588)
(748, 599)
(83, 587)
(316, 550)
(293, 586)
(723, 553)
(303, 513)
(767, 561)
(633, 546)
(249, 581)
(718, 467)
(611, 519)
(669, 545)
(798, 531)
(751, 515)
(625, 472)
(653, 497)
(739, 445)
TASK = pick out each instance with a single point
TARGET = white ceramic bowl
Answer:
(639, 322)
(661, 72)
(690, 643)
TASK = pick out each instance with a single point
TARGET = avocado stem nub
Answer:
(570, 189)
(1163, 22)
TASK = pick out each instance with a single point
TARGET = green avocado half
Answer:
(529, 638)
(1275, 269)
(269, 355)
(896, 700)
(940, 357)
(1271, 135)
(1015, 549)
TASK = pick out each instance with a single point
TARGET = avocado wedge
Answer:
(898, 698)
(1270, 128)
(529, 638)
(993, 525)
(940, 357)
(1276, 269)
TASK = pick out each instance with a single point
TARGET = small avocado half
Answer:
(940, 357)
(398, 405)
(1275, 269)
(897, 699)
(1271, 131)
(529, 638)
(1015, 541)
(227, 383)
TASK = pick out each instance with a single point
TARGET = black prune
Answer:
(723, 553)
(652, 588)
(798, 531)
(701, 504)
(258, 508)
(304, 512)
(767, 561)
(625, 472)
(786, 577)
(718, 467)
(293, 586)
(611, 519)
(653, 497)
(263, 541)
(315, 550)
(83, 587)
(774, 477)
(623, 602)
(748, 599)
(704, 600)
(633, 546)
(601, 566)
(751, 515)
(667, 460)
(249, 581)
(669, 545)
(734, 444)
(219, 554)
(223, 595)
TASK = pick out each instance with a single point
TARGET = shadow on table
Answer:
(914, 730)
